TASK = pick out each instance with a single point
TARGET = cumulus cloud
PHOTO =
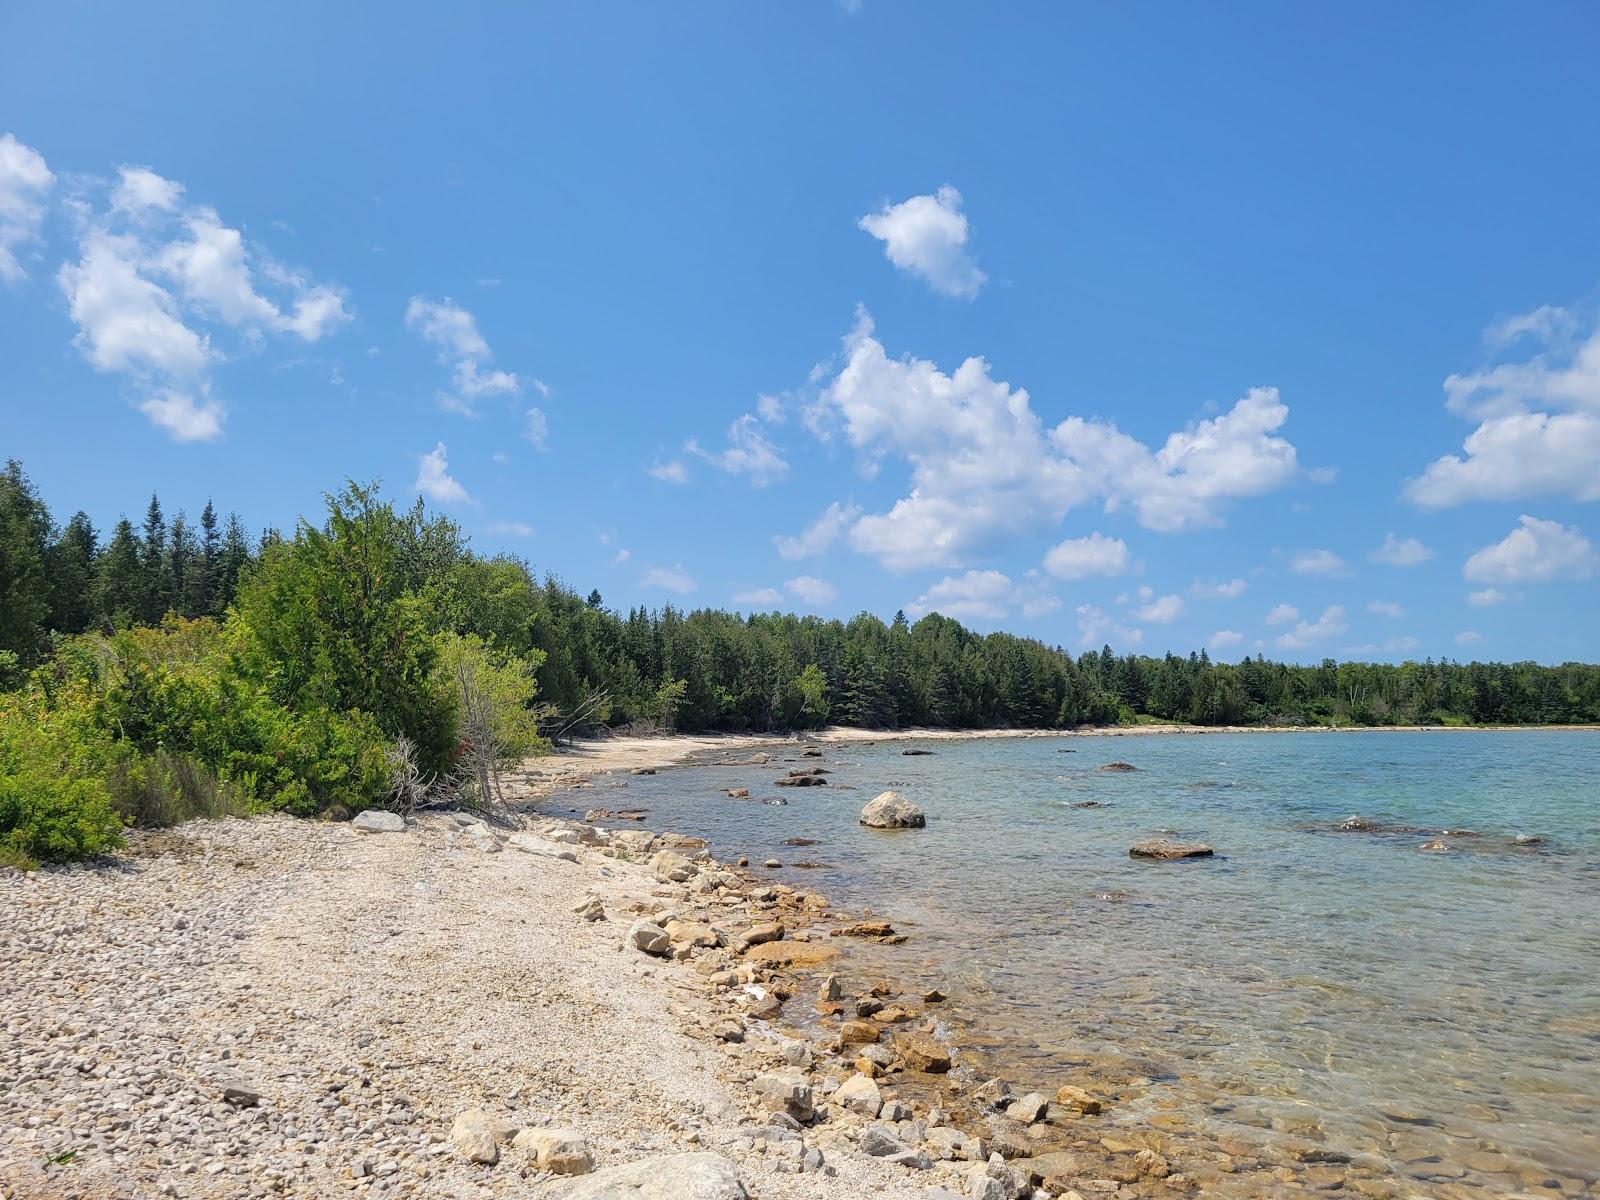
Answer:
(536, 428)
(1161, 611)
(1487, 597)
(1468, 636)
(1318, 562)
(1223, 638)
(668, 579)
(1231, 590)
(1538, 415)
(926, 236)
(1083, 558)
(1282, 614)
(984, 469)
(25, 183)
(621, 556)
(670, 471)
(985, 596)
(1535, 552)
(810, 590)
(1386, 608)
(1095, 626)
(748, 452)
(434, 479)
(760, 597)
(453, 333)
(1331, 623)
(821, 534)
(1400, 552)
(519, 529)
(151, 273)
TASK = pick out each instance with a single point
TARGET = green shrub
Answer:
(54, 804)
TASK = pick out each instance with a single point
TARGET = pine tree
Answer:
(24, 584)
(232, 560)
(119, 583)
(153, 566)
(71, 568)
(202, 578)
(183, 556)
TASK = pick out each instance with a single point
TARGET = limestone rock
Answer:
(648, 937)
(1114, 768)
(1161, 848)
(789, 1094)
(859, 1094)
(672, 1177)
(1078, 1100)
(891, 810)
(376, 820)
(922, 1053)
(559, 1151)
(477, 1136)
(880, 1142)
(672, 867)
(1028, 1109)
(532, 843)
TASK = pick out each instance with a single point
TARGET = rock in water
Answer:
(891, 810)
(922, 1053)
(673, 1177)
(1114, 767)
(1163, 849)
(376, 820)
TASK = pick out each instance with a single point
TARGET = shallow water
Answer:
(1423, 1008)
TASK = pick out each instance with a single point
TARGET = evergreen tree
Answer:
(24, 582)
(153, 566)
(183, 555)
(119, 582)
(72, 578)
(232, 559)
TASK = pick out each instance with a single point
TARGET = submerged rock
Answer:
(802, 781)
(916, 753)
(922, 1053)
(1162, 848)
(1115, 767)
(891, 810)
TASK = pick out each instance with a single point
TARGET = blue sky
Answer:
(1256, 327)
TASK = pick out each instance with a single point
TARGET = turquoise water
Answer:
(1304, 981)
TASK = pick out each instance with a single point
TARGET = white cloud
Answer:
(1095, 626)
(1164, 611)
(1395, 645)
(434, 479)
(1386, 608)
(1487, 597)
(536, 428)
(926, 236)
(183, 416)
(1468, 636)
(770, 409)
(150, 273)
(1322, 474)
(820, 534)
(621, 556)
(1330, 624)
(1398, 552)
(1223, 638)
(1081, 558)
(671, 471)
(749, 452)
(25, 183)
(985, 469)
(1538, 417)
(453, 332)
(511, 528)
(760, 597)
(811, 590)
(1282, 614)
(1231, 590)
(669, 579)
(1535, 552)
(1318, 562)
(986, 596)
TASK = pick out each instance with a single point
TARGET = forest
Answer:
(179, 666)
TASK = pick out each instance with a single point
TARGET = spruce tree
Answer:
(183, 555)
(72, 581)
(119, 585)
(153, 566)
(24, 584)
(232, 559)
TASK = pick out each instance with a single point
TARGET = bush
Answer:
(54, 804)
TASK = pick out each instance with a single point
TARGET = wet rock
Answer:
(376, 820)
(673, 1177)
(1078, 1100)
(916, 753)
(1151, 1165)
(1527, 839)
(800, 841)
(922, 1053)
(643, 771)
(1115, 768)
(865, 929)
(794, 781)
(559, 1151)
(858, 1033)
(1028, 1109)
(993, 1095)
(1010, 1140)
(738, 793)
(758, 935)
(1162, 848)
(891, 810)
(1436, 846)
(648, 937)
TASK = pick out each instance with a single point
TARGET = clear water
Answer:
(1304, 980)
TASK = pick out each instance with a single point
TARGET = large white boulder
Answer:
(376, 820)
(891, 810)
(673, 1177)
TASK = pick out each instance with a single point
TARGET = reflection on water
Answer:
(1437, 1009)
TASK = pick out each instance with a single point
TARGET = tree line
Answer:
(712, 670)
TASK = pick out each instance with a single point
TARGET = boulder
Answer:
(1028, 1109)
(788, 1094)
(891, 810)
(239, 1093)
(671, 1177)
(1162, 848)
(1114, 768)
(559, 1151)
(738, 793)
(532, 843)
(671, 867)
(880, 1142)
(376, 820)
(916, 753)
(858, 1033)
(757, 935)
(802, 781)
(590, 909)
(648, 937)
(859, 1094)
(477, 1136)
(1078, 1100)
(922, 1053)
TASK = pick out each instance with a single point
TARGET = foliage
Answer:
(54, 802)
(506, 684)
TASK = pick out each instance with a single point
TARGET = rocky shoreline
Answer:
(577, 1008)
